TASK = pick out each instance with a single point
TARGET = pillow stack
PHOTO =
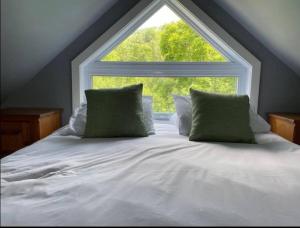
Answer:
(183, 105)
(183, 117)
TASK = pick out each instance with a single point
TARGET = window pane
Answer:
(162, 88)
(165, 37)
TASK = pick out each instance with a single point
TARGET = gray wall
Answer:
(51, 87)
(281, 17)
(42, 27)
(279, 85)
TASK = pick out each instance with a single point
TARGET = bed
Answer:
(163, 179)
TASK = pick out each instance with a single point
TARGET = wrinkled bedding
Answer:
(163, 179)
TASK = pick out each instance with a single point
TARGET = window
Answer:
(165, 37)
(162, 88)
(166, 47)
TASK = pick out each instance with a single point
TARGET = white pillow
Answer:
(77, 121)
(183, 106)
(174, 119)
(148, 114)
(257, 123)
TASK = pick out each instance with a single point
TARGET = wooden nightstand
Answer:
(20, 127)
(286, 125)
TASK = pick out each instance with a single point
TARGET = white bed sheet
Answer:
(163, 179)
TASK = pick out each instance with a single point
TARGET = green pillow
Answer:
(115, 112)
(222, 118)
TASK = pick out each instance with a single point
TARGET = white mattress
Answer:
(162, 179)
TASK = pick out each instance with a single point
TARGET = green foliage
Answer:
(142, 45)
(162, 88)
(179, 42)
(175, 41)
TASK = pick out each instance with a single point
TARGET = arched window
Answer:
(169, 49)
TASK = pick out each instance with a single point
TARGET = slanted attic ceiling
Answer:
(33, 32)
(275, 23)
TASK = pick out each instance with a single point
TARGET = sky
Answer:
(163, 16)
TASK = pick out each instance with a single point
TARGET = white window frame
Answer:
(242, 63)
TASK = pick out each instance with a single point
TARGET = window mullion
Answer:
(165, 69)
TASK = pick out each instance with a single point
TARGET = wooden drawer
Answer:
(11, 141)
(286, 125)
(20, 127)
(13, 128)
(283, 128)
(48, 124)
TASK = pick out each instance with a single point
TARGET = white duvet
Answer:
(163, 179)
